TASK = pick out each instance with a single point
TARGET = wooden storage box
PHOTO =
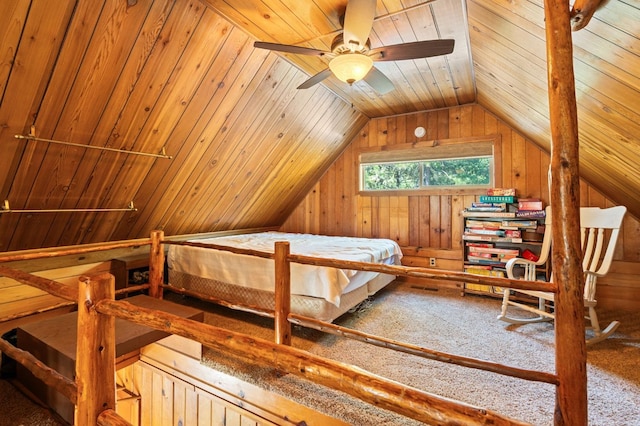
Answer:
(53, 341)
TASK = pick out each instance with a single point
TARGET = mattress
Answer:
(244, 279)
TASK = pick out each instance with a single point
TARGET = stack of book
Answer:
(491, 231)
(499, 202)
(486, 254)
(530, 208)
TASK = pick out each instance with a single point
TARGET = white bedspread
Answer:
(306, 280)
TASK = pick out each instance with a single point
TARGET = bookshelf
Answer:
(496, 229)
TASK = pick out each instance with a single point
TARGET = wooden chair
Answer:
(599, 233)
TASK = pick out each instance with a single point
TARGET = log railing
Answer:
(283, 318)
(94, 393)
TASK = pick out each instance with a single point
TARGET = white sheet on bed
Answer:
(307, 280)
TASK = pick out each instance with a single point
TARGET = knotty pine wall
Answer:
(431, 226)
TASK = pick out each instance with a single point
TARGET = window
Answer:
(443, 165)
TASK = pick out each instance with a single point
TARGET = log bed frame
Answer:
(94, 394)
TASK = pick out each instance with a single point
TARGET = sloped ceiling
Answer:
(501, 50)
(509, 56)
(246, 146)
(146, 76)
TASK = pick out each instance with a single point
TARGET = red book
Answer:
(529, 204)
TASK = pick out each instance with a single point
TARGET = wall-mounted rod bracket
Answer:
(7, 209)
(102, 148)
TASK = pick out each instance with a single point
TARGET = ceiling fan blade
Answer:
(315, 79)
(415, 50)
(380, 82)
(289, 49)
(358, 20)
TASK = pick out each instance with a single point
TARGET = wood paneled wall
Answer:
(431, 226)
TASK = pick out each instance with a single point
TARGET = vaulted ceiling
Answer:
(183, 78)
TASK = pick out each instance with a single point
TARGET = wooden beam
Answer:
(571, 356)
(53, 287)
(156, 264)
(282, 293)
(96, 350)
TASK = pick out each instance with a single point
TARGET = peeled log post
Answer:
(571, 356)
(282, 293)
(156, 264)
(96, 350)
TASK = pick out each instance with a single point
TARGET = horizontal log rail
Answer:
(49, 376)
(69, 251)
(419, 272)
(50, 286)
(236, 250)
(366, 386)
(531, 375)
(68, 303)
(407, 271)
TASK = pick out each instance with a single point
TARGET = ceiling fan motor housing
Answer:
(338, 46)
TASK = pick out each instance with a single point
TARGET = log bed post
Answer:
(564, 189)
(282, 293)
(96, 350)
(156, 264)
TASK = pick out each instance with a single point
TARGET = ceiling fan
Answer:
(351, 55)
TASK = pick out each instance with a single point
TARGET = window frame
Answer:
(434, 150)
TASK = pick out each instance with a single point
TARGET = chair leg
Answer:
(599, 335)
(504, 316)
(603, 334)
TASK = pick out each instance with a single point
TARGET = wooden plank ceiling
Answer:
(246, 146)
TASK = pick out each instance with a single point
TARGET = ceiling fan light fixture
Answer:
(351, 67)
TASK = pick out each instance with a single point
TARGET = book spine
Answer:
(530, 213)
(484, 231)
(502, 191)
(497, 199)
(492, 238)
(467, 213)
(529, 205)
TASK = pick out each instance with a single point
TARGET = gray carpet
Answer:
(445, 321)
(440, 320)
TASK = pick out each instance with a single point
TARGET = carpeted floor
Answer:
(445, 321)
(17, 410)
(440, 320)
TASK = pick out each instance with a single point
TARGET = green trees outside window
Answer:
(407, 175)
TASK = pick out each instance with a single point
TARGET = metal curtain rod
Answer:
(103, 148)
(6, 209)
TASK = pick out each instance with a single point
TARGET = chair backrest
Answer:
(599, 231)
(545, 250)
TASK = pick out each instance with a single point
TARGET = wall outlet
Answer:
(432, 261)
